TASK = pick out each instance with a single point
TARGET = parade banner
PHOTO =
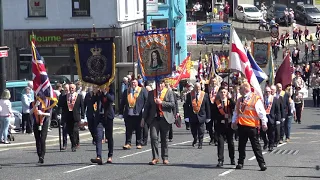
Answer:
(95, 59)
(183, 72)
(155, 53)
(260, 52)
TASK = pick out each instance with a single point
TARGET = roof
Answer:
(246, 5)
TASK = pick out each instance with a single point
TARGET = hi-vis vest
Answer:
(247, 114)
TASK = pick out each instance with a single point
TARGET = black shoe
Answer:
(200, 146)
(211, 142)
(144, 144)
(233, 162)
(239, 166)
(97, 160)
(74, 149)
(187, 128)
(270, 148)
(194, 142)
(170, 140)
(263, 167)
(220, 164)
(265, 147)
(41, 160)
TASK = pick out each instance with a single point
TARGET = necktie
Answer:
(70, 98)
(267, 101)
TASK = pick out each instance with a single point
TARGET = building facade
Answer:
(56, 24)
(172, 14)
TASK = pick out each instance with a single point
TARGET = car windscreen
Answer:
(251, 9)
(280, 8)
(312, 10)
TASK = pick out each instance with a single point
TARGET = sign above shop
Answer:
(58, 38)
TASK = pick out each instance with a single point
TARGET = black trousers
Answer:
(298, 111)
(315, 96)
(132, 123)
(197, 130)
(92, 127)
(277, 132)
(269, 141)
(282, 130)
(73, 131)
(107, 124)
(41, 137)
(250, 133)
(144, 133)
(212, 134)
(64, 133)
(26, 123)
(170, 132)
(225, 130)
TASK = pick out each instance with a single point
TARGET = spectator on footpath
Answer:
(26, 121)
(5, 115)
(226, 11)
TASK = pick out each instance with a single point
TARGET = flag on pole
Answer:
(41, 84)
(239, 61)
(271, 69)
(261, 76)
(283, 74)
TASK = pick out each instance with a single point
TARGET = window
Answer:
(207, 29)
(36, 8)
(80, 8)
(156, 24)
(162, 1)
(138, 6)
(126, 7)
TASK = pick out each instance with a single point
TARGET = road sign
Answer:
(3, 54)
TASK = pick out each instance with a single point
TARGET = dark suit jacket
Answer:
(107, 101)
(204, 112)
(275, 112)
(176, 108)
(150, 109)
(78, 109)
(88, 102)
(140, 102)
(285, 106)
(217, 115)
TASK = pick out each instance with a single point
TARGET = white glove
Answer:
(186, 119)
(59, 116)
(120, 116)
(277, 122)
(208, 120)
(283, 119)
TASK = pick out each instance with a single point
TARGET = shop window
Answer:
(162, 1)
(36, 8)
(156, 24)
(80, 8)
(129, 54)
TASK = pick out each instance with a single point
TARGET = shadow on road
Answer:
(313, 127)
(314, 177)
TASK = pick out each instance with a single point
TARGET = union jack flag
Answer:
(41, 84)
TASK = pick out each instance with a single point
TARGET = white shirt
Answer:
(259, 109)
(197, 7)
(26, 100)
(5, 107)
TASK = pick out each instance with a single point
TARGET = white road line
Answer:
(129, 155)
(3, 150)
(79, 169)
(281, 144)
(226, 172)
(254, 157)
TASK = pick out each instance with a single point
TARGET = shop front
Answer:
(56, 48)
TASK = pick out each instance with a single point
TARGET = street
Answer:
(294, 160)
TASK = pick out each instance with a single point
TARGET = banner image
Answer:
(95, 59)
(260, 52)
(154, 53)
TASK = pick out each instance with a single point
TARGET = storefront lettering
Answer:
(46, 38)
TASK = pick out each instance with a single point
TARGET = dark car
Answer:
(309, 14)
(54, 79)
(276, 11)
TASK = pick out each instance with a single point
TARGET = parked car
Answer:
(16, 89)
(214, 32)
(276, 11)
(309, 14)
(66, 72)
(247, 12)
(54, 79)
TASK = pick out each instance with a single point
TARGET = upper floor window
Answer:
(80, 8)
(162, 1)
(138, 6)
(161, 23)
(126, 10)
(36, 8)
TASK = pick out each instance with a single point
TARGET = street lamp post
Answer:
(3, 73)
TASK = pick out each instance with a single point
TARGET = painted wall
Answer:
(175, 12)
(103, 13)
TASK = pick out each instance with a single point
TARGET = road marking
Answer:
(226, 172)
(254, 157)
(185, 142)
(52, 136)
(3, 150)
(281, 144)
(80, 169)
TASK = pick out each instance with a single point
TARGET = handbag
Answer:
(178, 122)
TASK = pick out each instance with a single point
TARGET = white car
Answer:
(247, 12)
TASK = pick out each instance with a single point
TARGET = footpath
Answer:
(28, 140)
